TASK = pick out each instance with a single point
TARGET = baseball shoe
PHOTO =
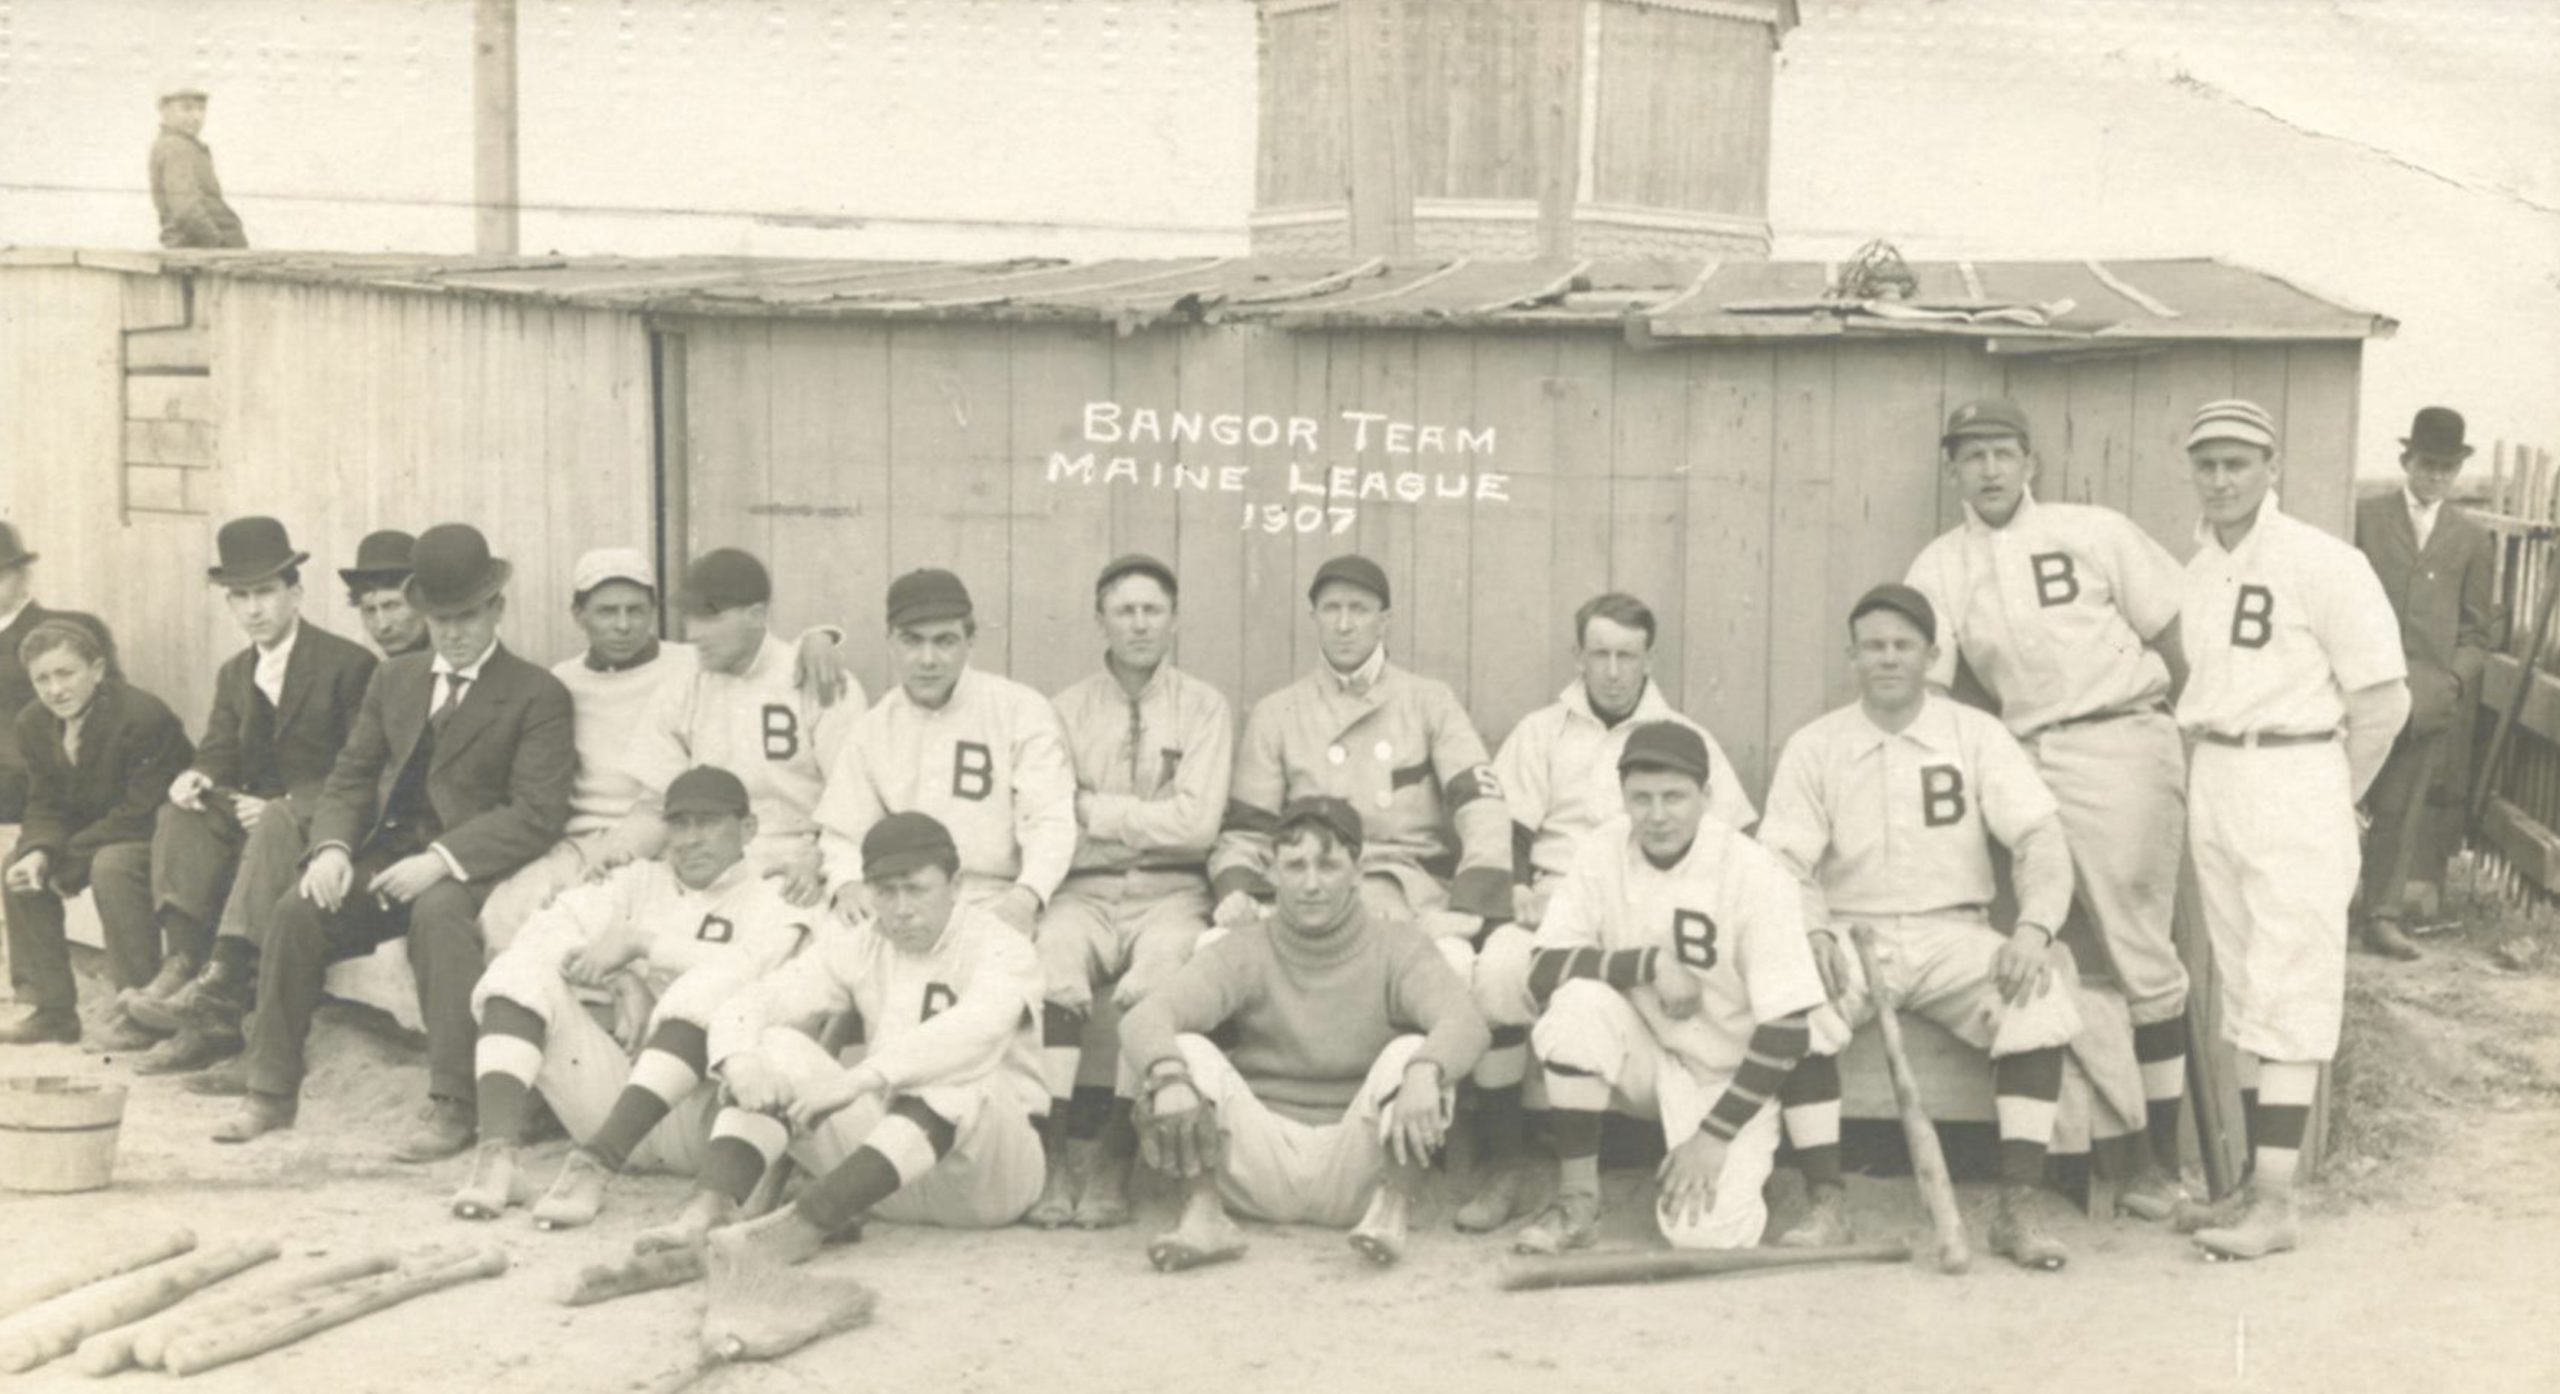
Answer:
(2017, 1229)
(2268, 1226)
(1494, 1204)
(2192, 1216)
(259, 1115)
(2384, 936)
(1570, 1221)
(1380, 1234)
(43, 1026)
(576, 1194)
(444, 1128)
(228, 1080)
(1105, 1202)
(703, 1212)
(2153, 1195)
(1825, 1222)
(186, 1052)
(1203, 1236)
(1056, 1207)
(495, 1183)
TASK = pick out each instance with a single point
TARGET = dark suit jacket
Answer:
(499, 775)
(131, 746)
(2443, 599)
(17, 694)
(324, 684)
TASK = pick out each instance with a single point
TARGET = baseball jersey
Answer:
(1153, 769)
(758, 725)
(1901, 824)
(2053, 611)
(1403, 752)
(963, 1011)
(1559, 774)
(2280, 629)
(990, 764)
(1727, 910)
(740, 918)
(608, 707)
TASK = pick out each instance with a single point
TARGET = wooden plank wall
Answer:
(1747, 493)
(338, 412)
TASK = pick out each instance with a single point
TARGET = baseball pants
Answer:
(990, 1177)
(1940, 966)
(2122, 787)
(2274, 834)
(584, 1070)
(39, 930)
(1134, 926)
(1279, 1169)
(1592, 1032)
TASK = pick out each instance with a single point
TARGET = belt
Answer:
(2266, 740)
(2110, 714)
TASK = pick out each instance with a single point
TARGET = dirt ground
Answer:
(2432, 1253)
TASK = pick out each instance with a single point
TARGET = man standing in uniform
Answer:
(1392, 744)
(2291, 646)
(2435, 564)
(1671, 970)
(1885, 811)
(457, 774)
(1558, 770)
(2066, 614)
(981, 753)
(183, 186)
(1153, 749)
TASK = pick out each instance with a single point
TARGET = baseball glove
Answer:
(1184, 1144)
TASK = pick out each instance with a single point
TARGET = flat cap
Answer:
(1901, 600)
(707, 789)
(1335, 815)
(2232, 419)
(1987, 416)
(723, 578)
(921, 597)
(1665, 745)
(1351, 570)
(902, 842)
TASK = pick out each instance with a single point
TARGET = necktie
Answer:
(453, 685)
(71, 738)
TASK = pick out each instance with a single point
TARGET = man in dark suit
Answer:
(282, 709)
(457, 773)
(19, 616)
(2434, 560)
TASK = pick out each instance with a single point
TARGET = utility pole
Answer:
(493, 126)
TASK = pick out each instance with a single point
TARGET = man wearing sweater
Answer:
(1346, 1038)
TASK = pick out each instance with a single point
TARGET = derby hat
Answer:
(451, 570)
(12, 551)
(2436, 432)
(252, 550)
(382, 559)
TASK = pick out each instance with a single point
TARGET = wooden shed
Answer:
(1727, 441)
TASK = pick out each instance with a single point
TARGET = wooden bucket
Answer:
(58, 1133)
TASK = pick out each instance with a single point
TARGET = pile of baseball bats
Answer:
(131, 1307)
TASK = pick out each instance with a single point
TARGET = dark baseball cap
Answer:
(1336, 815)
(707, 789)
(1352, 570)
(1137, 564)
(921, 597)
(1665, 745)
(902, 842)
(723, 579)
(1987, 416)
(1901, 600)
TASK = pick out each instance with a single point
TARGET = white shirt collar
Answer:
(1359, 680)
(12, 617)
(469, 672)
(1975, 523)
(2417, 508)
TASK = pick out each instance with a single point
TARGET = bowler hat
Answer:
(2436, 432)
(452, 570)
(251, 550)
(382, 559)
(13, 553)
(1351, 571)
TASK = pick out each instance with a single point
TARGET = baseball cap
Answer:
(902, 842)
(1987, 416)
(1901, 600)
(2232, 419)
(1665, 745)
(612, 564)
(921, 597)
(723, 578)
(1336, 815)
(707, 789)
(1352, 570)
(1136, 564)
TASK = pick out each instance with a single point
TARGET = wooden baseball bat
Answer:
(1658, 1265)
(20, 1296)
(203, 1350)
(603, 1282)
(150, 1340)
(1928, 1163)
(33, 1337)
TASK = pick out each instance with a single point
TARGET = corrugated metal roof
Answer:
(2028, 304)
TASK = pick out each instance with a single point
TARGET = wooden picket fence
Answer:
(2513, 833)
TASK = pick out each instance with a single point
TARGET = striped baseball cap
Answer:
(2232, 419)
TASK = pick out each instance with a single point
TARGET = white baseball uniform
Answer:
(2054, 611)
(758, 725)
(2278, 631)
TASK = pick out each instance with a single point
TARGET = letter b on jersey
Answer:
(781, 733)
(1941, 795)
(1693, 939)
(973, 771)
(2253, 617)
(2056, 582)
